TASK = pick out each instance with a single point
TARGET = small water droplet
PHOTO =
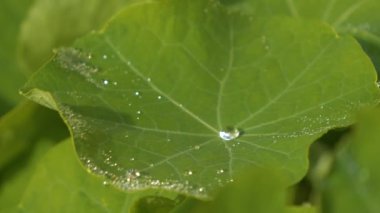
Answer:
(159, 97)
(197, 147)
(105, 82)
(149, 79)
(115, 83)
(137, 93)
(89, 56)
(229, 134)
(189, 173)
(132, 159)
(151, 165)
(138, 112)
(201, 189)
(219, 171)
(105, 183)
(105, 56)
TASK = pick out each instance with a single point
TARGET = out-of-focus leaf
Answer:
(181, 95)
(23, 126)
(60, 184)
(15, 177)
(259, 191)
(354, 185)
(51, 24)
(11, 78)
(301, 209)
(360, 18)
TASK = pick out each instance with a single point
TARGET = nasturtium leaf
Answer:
(359, 18)
(354, 185)
(51, 24)
(23, 126)
(253, 191)
(60, 184)
(15, 177)
(181, 95)
(11, 78)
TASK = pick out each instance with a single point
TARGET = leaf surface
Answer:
(51, 24)
(359, 18)
(64, 186)
(25, 125)
(354, 185)
(153, 99)
(11, 78)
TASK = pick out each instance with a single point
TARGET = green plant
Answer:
(190, 106)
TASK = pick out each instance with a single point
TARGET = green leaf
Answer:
(60, 184)
(15, 177)
(301, 209)
(11, 79)
(254, 191)
(354, 185)
(152, 99)
(51, 24)
(359, 18)
(25, 125)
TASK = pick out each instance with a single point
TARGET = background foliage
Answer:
(140, 91)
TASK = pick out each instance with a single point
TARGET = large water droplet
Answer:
(229, 134)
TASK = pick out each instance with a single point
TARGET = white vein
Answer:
(155, 88)
(292, 8)
(344, 16)
(289, 86)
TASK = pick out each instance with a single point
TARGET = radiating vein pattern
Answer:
(184, 101)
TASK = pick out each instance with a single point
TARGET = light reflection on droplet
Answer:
(229, 134)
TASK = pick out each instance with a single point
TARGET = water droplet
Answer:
(159, 97)
(105, 82)
(189, 172)
(132, 159)
(197, 147)
(151, 165)
(138, 112)
(137, 93)
(149, 80)
(219, 171)
(201, 189)
(105, 56)
(89, 56)
(229, 134)
(115, 83)
(105, 183)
